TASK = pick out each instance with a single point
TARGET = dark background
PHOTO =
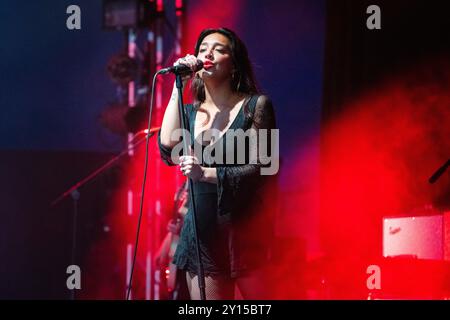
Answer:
(312, 57)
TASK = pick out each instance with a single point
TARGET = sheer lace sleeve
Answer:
(165, 152)
(236, 183)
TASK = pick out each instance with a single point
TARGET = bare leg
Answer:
(216, 287)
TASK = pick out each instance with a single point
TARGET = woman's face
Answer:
(215, 52)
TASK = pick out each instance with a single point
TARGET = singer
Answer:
(234, 202)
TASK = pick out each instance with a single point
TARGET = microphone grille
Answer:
(199, 64)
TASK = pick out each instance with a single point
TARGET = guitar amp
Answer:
(421, 236)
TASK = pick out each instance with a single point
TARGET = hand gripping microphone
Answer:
(182, 69)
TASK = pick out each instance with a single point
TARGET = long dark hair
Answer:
(243, 80)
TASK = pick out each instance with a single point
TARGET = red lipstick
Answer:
(207, 64)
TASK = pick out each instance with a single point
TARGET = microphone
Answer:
(182, 69)
(439, 172)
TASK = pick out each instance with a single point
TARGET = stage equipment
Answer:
(421, 236)
(128, 14)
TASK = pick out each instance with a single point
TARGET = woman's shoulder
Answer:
(264, 113)
(263, 100)
(260, 102)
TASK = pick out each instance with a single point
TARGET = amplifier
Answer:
(422, 237)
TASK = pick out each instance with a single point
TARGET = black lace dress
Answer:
(234, 216)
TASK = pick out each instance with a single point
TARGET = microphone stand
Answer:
(201, 275)
(75, 194)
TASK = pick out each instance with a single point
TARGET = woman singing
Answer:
(232, 125)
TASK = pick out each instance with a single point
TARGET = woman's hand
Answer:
(190, 168)
(190, 61)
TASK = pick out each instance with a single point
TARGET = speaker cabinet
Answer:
(422, 237)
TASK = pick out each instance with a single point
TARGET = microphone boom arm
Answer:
(439, 172)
